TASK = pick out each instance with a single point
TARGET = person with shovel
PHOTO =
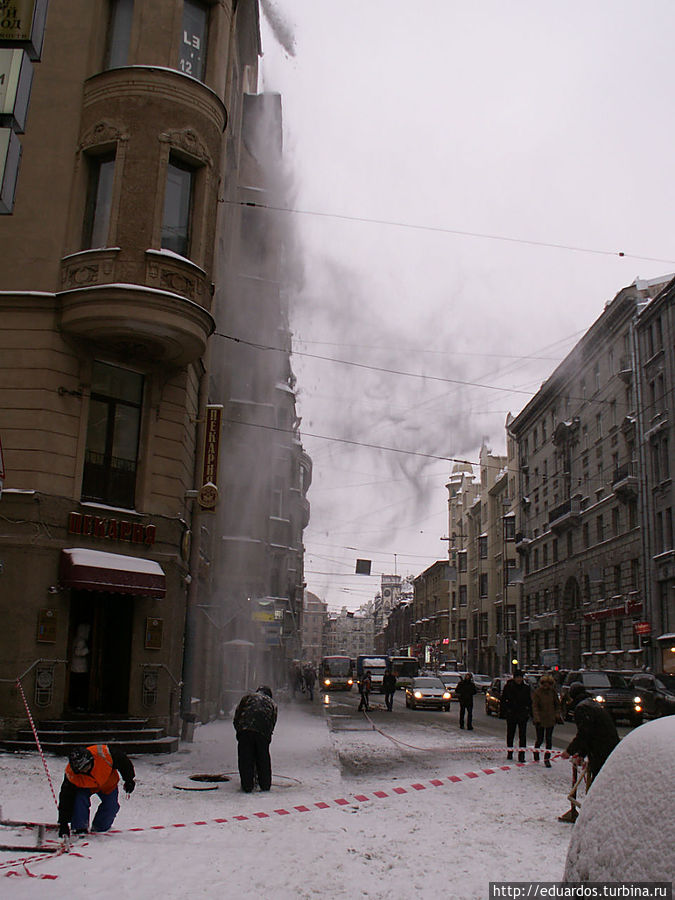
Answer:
(595, 739)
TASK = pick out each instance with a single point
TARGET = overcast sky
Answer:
(534, 122)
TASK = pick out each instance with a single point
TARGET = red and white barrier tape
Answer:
(37, 740)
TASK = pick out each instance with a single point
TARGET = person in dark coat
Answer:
(596, 735)
(364, 689)
(465, 692)
(93, 770)
(546, 712)
(516, 708)
(254, 721)
(389, 688)
(595, 739)
(310, 680)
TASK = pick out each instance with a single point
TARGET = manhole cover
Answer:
(209, 778)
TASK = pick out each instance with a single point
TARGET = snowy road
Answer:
(413, 831)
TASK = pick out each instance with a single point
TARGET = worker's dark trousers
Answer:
(253, 755)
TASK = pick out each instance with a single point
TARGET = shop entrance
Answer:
(99, 651)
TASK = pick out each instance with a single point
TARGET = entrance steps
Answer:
(132, 735)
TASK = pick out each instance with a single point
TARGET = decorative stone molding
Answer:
(88, 267)
(101, 133)
(169, 273)
(189, 142)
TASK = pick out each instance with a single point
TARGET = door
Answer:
(106, 620)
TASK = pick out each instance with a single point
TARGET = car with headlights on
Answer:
(493, 695)
(609, 689)
(657, 692)
(451, 680)
(427, 691)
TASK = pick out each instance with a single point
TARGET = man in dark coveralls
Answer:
(254, 721)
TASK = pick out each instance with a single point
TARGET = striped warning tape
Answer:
(338, 802)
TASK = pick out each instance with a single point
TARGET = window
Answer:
(483, 584)
(113, 430)
(193, 42)
(586, 536)
(482, 546)
(509, 528)
(177, 207)
(461, 561)
(99, 201)
(615, 521)
(119, 33)
(462, 595)
(617, 579)
(600, 529)
(462, 629)
(618, 635)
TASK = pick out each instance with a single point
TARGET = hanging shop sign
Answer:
(22, 25)
(10, 157)
(16, 78)
(111, 529)
(208, 494)
(642, 628)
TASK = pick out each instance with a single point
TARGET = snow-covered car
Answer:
(427, 691)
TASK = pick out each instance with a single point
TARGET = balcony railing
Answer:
(565, 515)
(625, 481)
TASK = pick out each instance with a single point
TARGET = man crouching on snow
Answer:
(93, 770)
(254, 721)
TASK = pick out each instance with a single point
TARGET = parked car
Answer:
(482, 682)
(607, 688)
(451, 680)
(427, 690)
(493, 695)
(657, 692)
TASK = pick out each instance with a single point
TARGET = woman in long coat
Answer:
(546, 712)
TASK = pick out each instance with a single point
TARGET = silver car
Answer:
(429, 691)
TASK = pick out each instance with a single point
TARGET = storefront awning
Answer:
(94, 570)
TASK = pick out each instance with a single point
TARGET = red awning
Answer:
(94, 570)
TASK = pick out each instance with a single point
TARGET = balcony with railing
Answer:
(566, 515)
(625, 481)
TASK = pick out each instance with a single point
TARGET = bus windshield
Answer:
(337, 665)
(405, 666)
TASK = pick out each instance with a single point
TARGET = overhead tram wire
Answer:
(440, 229)
(346, 362)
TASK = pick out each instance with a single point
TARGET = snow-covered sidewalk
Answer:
(414, 832)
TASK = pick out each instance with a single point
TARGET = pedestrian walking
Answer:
(389, 688)
(254, 721)
(93, 770)
(465, 692)
(516, 707)
(310, 680)
(364, 690)
(546, 713)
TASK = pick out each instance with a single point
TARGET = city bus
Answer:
(405, 668)
(376, 665)
(337, 673)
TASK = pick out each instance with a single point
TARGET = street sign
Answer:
(16, 78)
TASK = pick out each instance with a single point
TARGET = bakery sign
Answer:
(208, 494)
(111, 529)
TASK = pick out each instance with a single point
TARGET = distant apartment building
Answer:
(463, 491)
(584, 502)
(314, 615)
(350, 633)
(430, 614)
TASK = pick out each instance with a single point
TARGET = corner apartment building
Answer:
(430, 614)
(315, 613)
(112, 259)
(463, 491)
(582, 524)
(350, 633)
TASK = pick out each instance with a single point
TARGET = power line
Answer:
(454, 231)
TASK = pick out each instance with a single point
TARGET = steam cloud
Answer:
(281, 28)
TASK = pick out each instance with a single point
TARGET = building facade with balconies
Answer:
(463, 491)
(580, 528)
(107, 287)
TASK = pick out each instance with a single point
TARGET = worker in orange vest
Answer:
(93, 770)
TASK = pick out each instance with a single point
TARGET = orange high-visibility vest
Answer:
(103, 778)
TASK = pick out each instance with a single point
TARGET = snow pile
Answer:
(626, 828)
